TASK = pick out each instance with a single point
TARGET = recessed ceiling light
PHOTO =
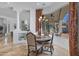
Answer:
(8, 2)
(43, 4)
(38, 3)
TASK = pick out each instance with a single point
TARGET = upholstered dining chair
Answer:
(32, 44)
(48, 46)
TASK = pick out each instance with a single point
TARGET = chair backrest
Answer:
(31, 39)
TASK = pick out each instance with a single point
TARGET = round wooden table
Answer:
(43, 39)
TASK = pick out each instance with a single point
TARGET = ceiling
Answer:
(26, 5)
(8, 9)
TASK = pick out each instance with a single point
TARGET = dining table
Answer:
(43, 39)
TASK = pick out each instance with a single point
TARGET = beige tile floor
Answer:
(16, 50)
(58, 51)
(21, 50)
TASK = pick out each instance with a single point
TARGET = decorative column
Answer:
(18, 30)
(18, 21)
(18, 18)
(73, 28)
(33, 20)
(6, 43)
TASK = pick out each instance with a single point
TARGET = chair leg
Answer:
(28, 54)
(41, 49)
(53, 48)
(36, 53)
(51, 51)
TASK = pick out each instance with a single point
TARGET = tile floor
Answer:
(60, 48)
(21, 50)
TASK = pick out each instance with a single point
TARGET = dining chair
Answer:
(49, 45)
(32, 44)
(10, 38)
(1, 41)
